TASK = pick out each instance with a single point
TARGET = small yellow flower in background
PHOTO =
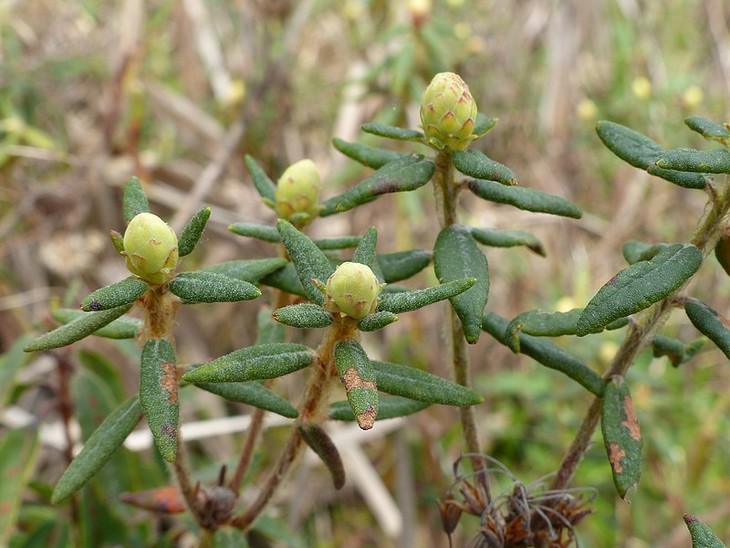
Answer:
(150, 248)
(641, 87)
(565, 304)
(448, 113)
(587, 110)
(692, 97)
(607, 351)
(353, 290)
(297, 193)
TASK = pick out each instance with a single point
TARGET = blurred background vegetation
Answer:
(178, 91)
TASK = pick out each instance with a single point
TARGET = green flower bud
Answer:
(353, 290)
(297, 193)
(448, 113)
(150, 248)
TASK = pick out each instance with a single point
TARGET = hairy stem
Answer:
(708, 231)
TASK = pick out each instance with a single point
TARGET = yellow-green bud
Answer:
(448, 113)
(297, 193)
(353, 290)
(150, 248)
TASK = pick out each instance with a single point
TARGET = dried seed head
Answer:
(353, 290)
(448, 113)
(150, 248)
(297, 193)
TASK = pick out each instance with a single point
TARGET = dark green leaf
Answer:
(401, 265)
(709, 129)
(263, 361)
(392, 132)
(117, 241)
(621, 435)
(527, 199)
(134, 200)
(407, 173)
(722, 252)
(118, 294)
(457, 256)
(303, 316)
(252, 230)
(711, 324)
(696, 161)
(508, 238)
(547, 353)
(639, 286)
(675, 350)
(483, 124)
(679, 178)
(378, 320)
(77, 329)
(158, 395)
(634, 251)
(251, 393)
(249, 270)
(343, 242)
(10, 363)
(18, 457)
(124, 327)
(192, 232)
(358, 376)
(366, 155)
(405, 301)
(209, 287)
(316, 438)
(98, 449)
(287, 280)
(701, 534)
(264, 185)
(309, 261)
(478, 165)
(365, 251)
(389, 408)
(415, 384)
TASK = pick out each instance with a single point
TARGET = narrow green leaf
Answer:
(318, 440)
(11, 362)
(134, 200)
(679, 178)
(711, 324)
(251, 393)
(378, 320)
(365, 251)
(546, 353)
(527, 199)
(77, 329)
(701, 534)
(18, 457)
(309, 261)
(117, 241)
(124, 327)
(249, 270)
(98, 449)
(634, 251)
(457, 256)
(358, 376)
(303, 316)
(639, 286)
(263, 361)
(118, 294)
(401, 175)
(192, 232)
(264, 185)
(392, 132)
(401, 265)
(389, 408)
(483, 124)
(415, 384)
(675, 350)
(696, 161)
(405, 301)
(475, 163)
(508, 238)
(621, 435)
(369, 156)
(260, 232)
(342, 242)
(158, 395)
(210, 287)
(287, 280)
(709, 129)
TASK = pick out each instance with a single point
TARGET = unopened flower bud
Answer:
(297, 193)
(448, 113)
(150, 247)
(353, 290)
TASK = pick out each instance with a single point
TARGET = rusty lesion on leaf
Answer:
(168, 429)
(615, 456)
(632, 422)
(352, 379)
(366, 419)
(168, 381)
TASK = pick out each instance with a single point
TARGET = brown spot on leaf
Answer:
(631, 423)
(95, 306)
(169, 430)
(366, 419)
(351, 379)
(615, 455)
(613, 280)
(168, 381)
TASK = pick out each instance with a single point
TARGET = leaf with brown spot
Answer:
(158, 395)
(358, 376)
(621, 435)
(166, 500)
